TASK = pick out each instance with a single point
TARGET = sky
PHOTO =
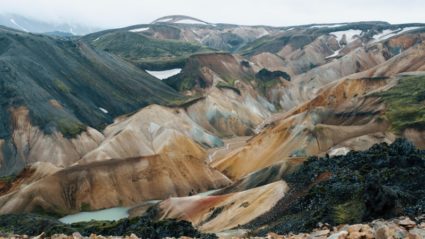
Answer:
(119, 13)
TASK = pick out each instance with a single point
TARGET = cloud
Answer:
(117, 13)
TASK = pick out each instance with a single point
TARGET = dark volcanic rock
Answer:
(383, 182)
(143, 227)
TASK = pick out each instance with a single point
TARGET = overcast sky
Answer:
(116, 13)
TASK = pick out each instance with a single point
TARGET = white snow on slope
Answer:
(165, 74)
(336, 53)
(383, 35)
(140, 29)
(264, 33)
(72, 31)
(16, 24)
(332, 25)
(386, 34)
(103, 110)
(338, 151)
(349, 34)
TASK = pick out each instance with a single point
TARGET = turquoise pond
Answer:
(109, 214)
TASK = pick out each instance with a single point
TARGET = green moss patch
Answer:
(70, 128)
(268, 79)
(406, 103)
(147, 52)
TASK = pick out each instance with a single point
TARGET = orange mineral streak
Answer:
(218, 213)
(308, 129)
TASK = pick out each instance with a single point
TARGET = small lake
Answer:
(109, 214)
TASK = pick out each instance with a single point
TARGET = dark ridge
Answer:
(266, 75)
(144, 51)
(37, 69)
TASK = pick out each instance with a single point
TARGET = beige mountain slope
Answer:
(217, 36)
(34, 173)
(222, 212)
(153, 130)
(297, 60)
(178, 134)
(341, 115)
(108, 170)
(351, 59)
(36, 146)
(342, 111)
(232, 105)
(112, 183)
(304, 86)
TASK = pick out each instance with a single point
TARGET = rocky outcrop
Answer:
(402, 227)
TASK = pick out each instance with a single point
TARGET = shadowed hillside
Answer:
(66, 86)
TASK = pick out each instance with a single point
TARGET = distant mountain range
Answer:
(32, 25)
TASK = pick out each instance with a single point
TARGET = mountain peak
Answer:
(180, 19)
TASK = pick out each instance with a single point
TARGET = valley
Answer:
(183, 127)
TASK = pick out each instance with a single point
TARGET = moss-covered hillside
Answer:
(144, 51)
(406, 103)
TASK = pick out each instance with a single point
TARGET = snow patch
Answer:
(350, 35)
(165, 74)
(264, 33)
(16, 24)
(103, 110)
(386, 34)
(140, 29)
(331, 25)
(339, 151)
(335, 54)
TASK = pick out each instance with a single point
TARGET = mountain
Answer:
(169, 41)
(26, 24)
(239, 130)
(53, 90)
